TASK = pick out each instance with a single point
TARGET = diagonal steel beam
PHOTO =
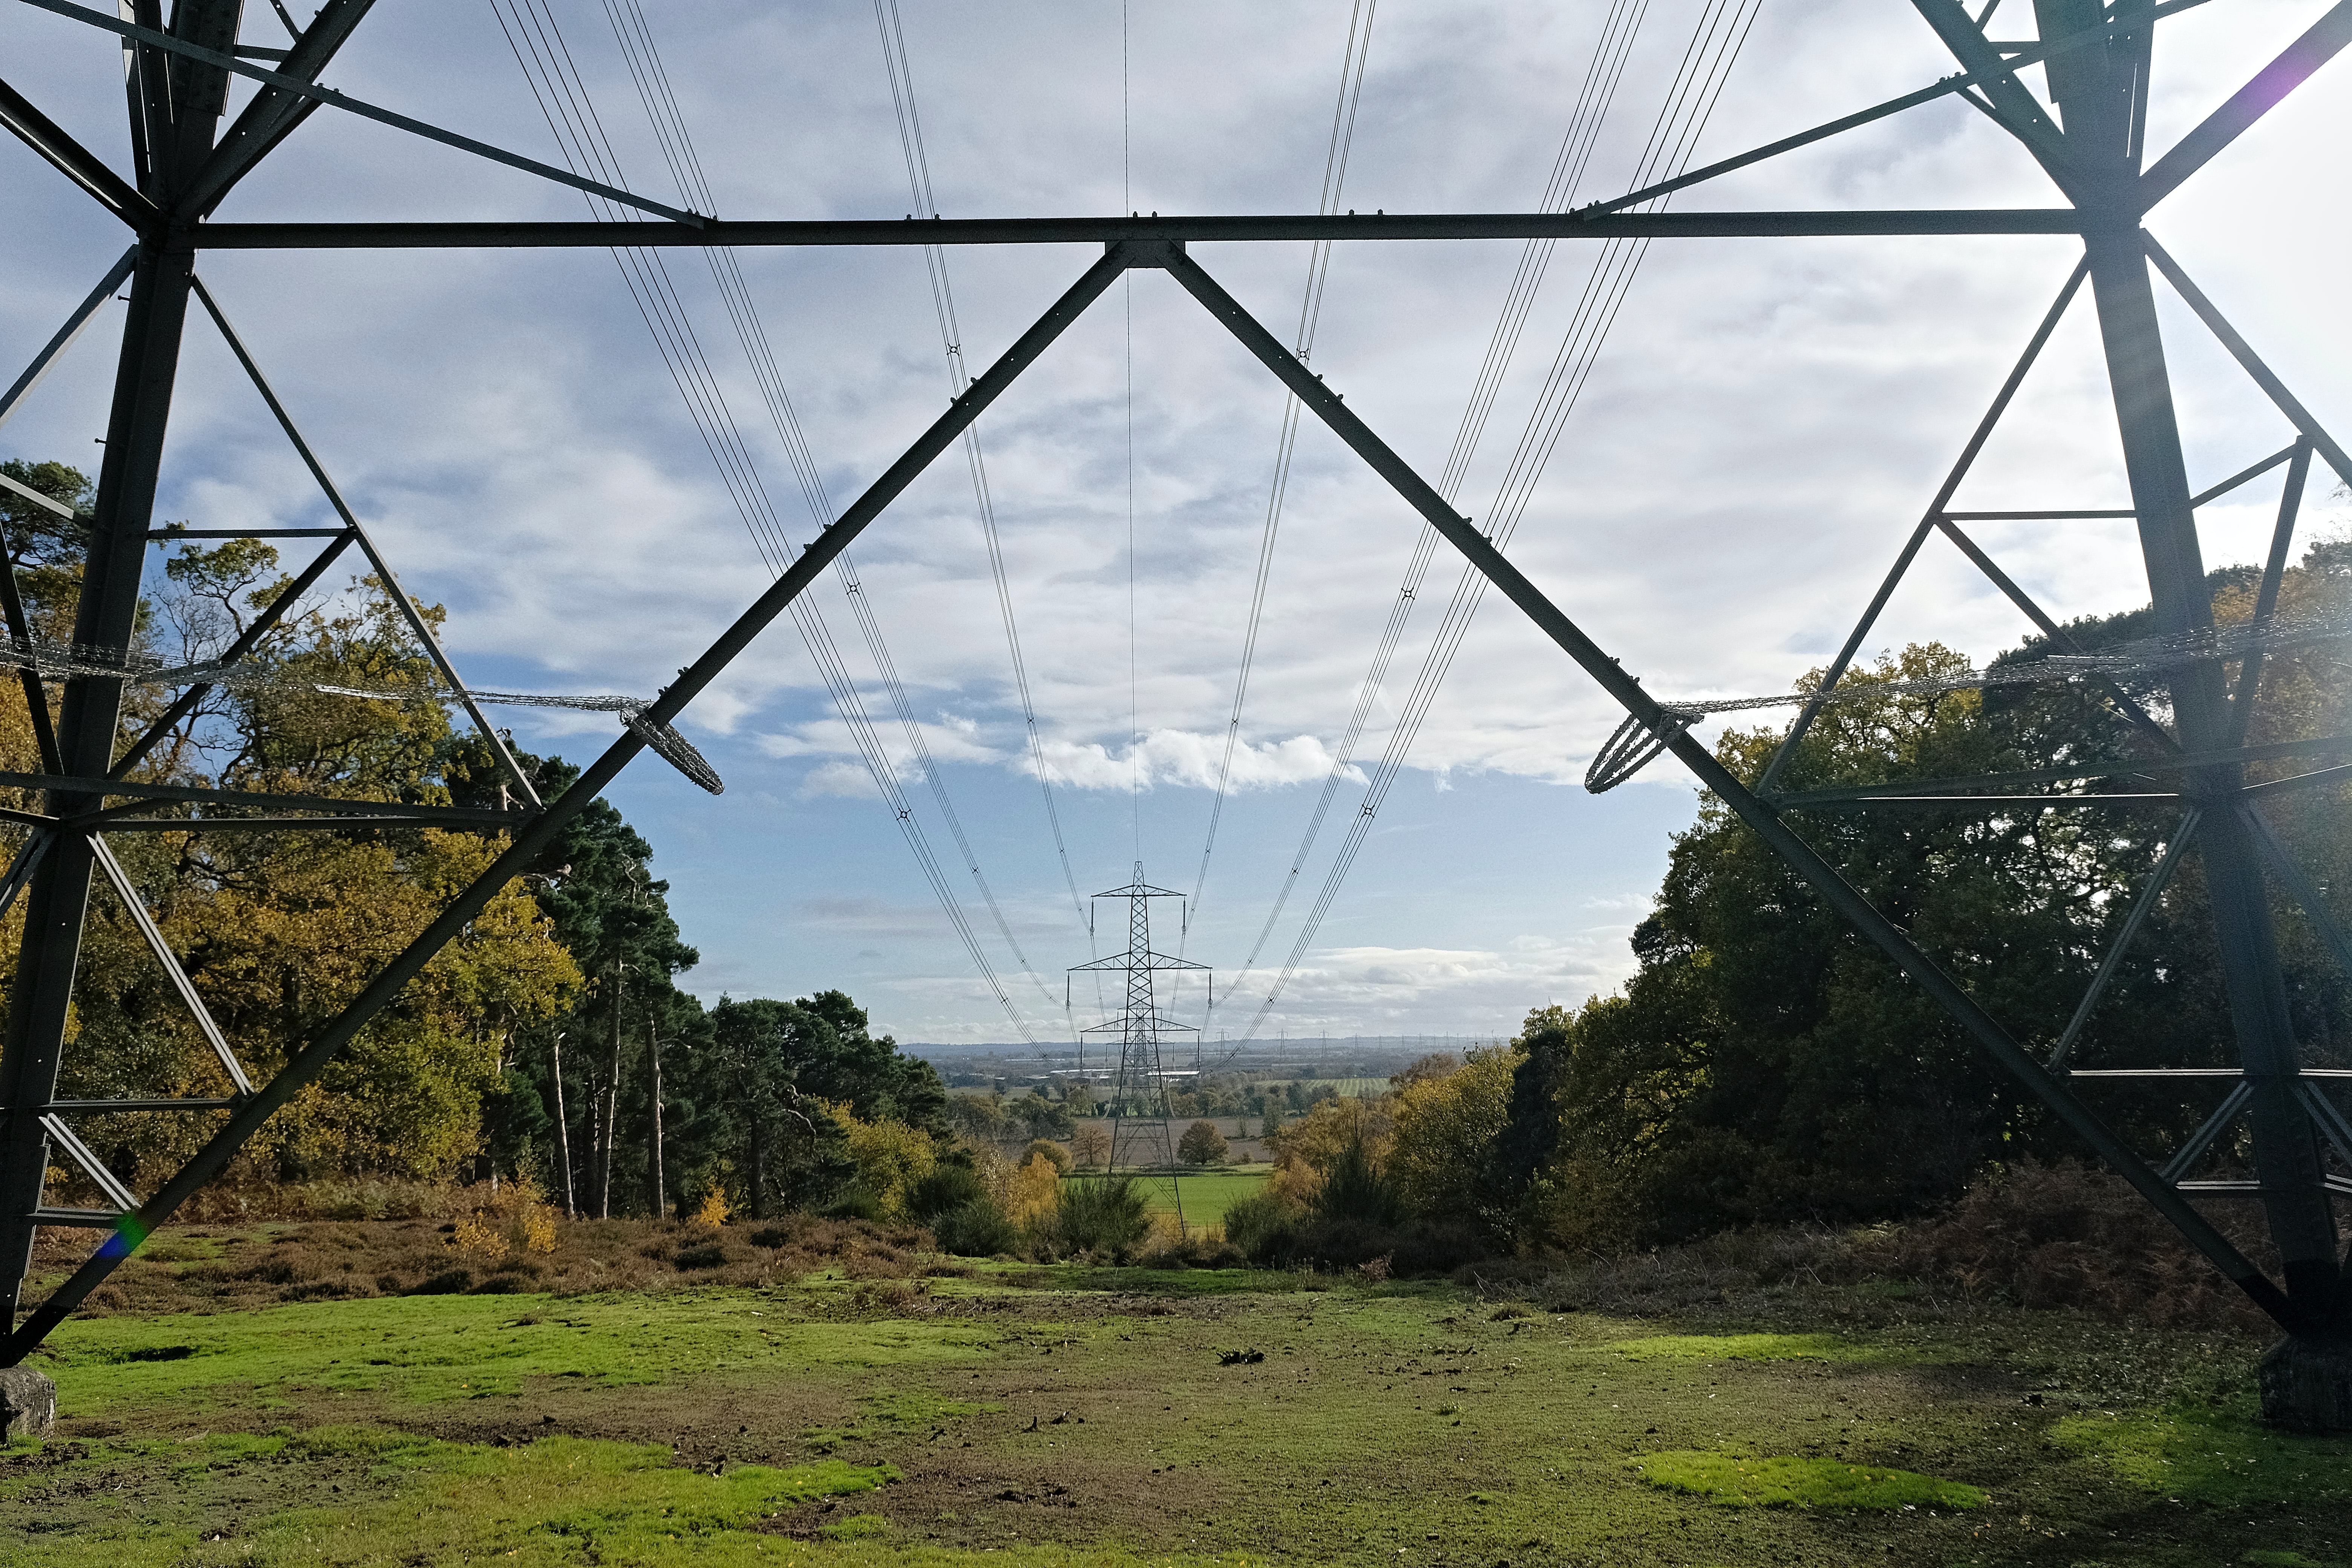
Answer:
(247, 641)
(20, 627)
(2185, 1158)
(1825, 879)
(2250, 673)
(2322, 42)
(21, 869)
(1944, 494)
(313, 1059)
(70, 158)
(417, 625)
(2141, 909)
(2012, 106)
(2142, 720)
(67, 335)
(274, 112)
(93, 1166)
(2244, 476)
(2300, 887)
(1930, 94)
(300, 88)
(2251, 362)
(136, 907)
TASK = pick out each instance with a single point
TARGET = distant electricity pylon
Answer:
(1141, 1082)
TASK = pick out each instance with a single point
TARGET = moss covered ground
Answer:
(1018, 1415)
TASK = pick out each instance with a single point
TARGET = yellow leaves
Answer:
(1033, 1192)
(1304, 1149)
(714, 1210)
(479, 1236)
(891, 1156)
(1446, 1126)
(539, 1229)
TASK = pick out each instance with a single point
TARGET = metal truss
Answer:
(2096, 62)
(1141, 1023)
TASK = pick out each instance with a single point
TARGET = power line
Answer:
(556, 84)
(1715, 43)
(1310, 314)
(1604, 72)
(935, 261)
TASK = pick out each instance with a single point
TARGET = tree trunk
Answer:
(660, 1185)
(564, 1134)
(612, 1100)
(758, 1166)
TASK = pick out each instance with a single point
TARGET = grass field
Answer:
(1207, 1195)
(1051, 1417)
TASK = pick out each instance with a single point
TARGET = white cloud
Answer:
(1763, 427)
(1185, 758)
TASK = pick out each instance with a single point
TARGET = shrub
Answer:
(710, 1255)
(1197, 1250)
(1354, 1189)
(1104, 1215)
(891, 1157)
(1202, 1144)
(974, 1229)
(1262, 1228)
(949, 1187)
(2066, 1234)
(713, 1210)
(1032, 1192)
(478, 1236)
(1048, 1150)
(539, 1229)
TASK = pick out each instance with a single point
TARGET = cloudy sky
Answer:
(1763, 423)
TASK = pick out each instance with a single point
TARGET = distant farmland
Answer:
(1208, 1194)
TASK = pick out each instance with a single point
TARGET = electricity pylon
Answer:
(1142, 1081)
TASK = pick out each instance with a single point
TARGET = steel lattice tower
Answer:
(1142, 1077)
(2086, 135)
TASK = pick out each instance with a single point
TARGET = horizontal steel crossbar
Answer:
(1113, 230)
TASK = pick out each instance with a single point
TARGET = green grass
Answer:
(1747, 1482)
(2218, 1455)
(424, 1349)
(558, 1501)
(1207, 1195)
(1048, 1417)
(1764, 1347)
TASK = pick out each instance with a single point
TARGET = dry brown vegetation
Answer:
(514, 1249)
(2036, 1236)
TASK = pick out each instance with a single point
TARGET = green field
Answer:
(1019, 1414)
(1206, 1197)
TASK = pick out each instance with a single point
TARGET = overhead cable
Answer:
(1310, 314)
(1603, 73)
(1715, 46)
(545, 56)
(935, 262)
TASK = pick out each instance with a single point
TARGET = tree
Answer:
(1447, 1126)
(1765, 1064)
(1052, 1154)
(1202, 1144)
(1090, 1145)
(1043, 1118)
(760, 1093)
(278, 932)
